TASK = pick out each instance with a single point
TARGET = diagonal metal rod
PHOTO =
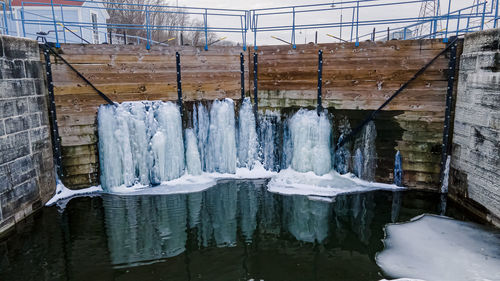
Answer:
(405, 85)
(106, 98)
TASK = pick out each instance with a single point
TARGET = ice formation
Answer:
(310, 134)
(398, 169)
(143, 145)
(435, 248)
(248, 143)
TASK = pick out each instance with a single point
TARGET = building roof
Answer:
(45, 2)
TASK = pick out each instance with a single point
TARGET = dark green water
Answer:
(233, 231)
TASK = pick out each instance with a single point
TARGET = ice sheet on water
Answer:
(437, 248)
(332, 184)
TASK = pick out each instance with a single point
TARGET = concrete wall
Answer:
(26, 164)
(475, 165)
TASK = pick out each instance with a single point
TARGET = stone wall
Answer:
(27, 177)
(475, 165)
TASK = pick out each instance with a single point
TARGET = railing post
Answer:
(5, 19)
(62, 20)
(22, 21)
(124, 37)
(445, 39)
(255, 80)
(319, 108)
(458, 23)
(373, 35)
(388, 34)
(55, 23)
(495, 21)
(352, 22)
(293, 29)
(242, 72)
(357, 23)
(53, 115)
(449, 105)
(404, 33)
(482, 16)
(205, 19)
(148, 32)
(179, 82)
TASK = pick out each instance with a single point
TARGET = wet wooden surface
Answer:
(354, 78)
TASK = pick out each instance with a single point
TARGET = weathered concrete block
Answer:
(17, 124)
(14, 146)
(12, 69)
(16, 88)
(25, 142)
(34, 69)
(38, 138)
(20, 48)
(21, 170)
(475, 172)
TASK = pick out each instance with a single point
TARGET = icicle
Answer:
(247, 136)
(268, 145)
(358, 163)
(342, 157)
(311, 142)
(202, 127)
(192, 155)
(398, 169)
(221, 151)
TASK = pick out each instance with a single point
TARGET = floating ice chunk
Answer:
(63, 195)
(437, 248)
(332, 184)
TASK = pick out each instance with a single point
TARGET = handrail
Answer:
(224, 20)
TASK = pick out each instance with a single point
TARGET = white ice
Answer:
(291, 182)
(435, 248)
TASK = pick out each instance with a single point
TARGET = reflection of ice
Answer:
(439, 248)
(396, 206)
(219, 213)
(306, 219)
(248, 197)
(143, 228)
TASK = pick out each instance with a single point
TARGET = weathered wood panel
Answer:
(129, 73)
(355, 81)
(363, 78)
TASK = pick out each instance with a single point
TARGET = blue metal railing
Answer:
(59, 21)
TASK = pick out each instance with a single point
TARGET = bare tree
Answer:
(166, 24)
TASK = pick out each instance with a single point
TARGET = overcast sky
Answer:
(400, 11)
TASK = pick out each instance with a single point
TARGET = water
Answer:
(235, 230)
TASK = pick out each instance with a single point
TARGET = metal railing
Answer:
(356, 20)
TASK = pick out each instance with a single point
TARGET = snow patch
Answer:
(64, 195)
(436, 248)
(291, 182)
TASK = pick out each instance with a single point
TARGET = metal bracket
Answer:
(449, 104)
(320, 81)
(242, 70)
(179, 82)
(255, 80)
(56, 146)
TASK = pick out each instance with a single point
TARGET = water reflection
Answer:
(146, 228)
(233, 231)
